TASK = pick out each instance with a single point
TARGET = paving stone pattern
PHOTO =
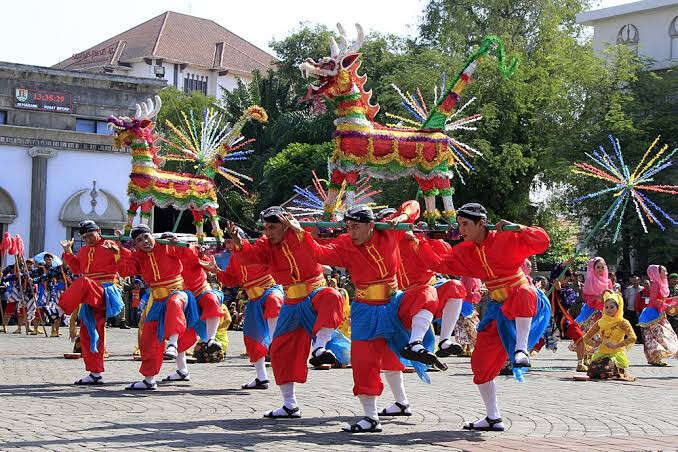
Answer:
(42, 410)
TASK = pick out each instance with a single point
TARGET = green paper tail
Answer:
(490, 44)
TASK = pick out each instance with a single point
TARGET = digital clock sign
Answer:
(41, 100)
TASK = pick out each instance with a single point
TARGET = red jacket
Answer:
(290, 261)
(95, 262)
(500, 255)
(159, 267)
(238, 273)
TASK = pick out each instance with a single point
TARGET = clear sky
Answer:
(44, 32)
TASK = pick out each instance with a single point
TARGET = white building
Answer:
(188, 52)
(649, 26)
(57, 162)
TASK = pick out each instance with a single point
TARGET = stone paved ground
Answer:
(42, 410)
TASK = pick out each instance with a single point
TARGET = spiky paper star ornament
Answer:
(629, 185)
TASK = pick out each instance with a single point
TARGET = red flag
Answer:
(6, 243)
(19, 245)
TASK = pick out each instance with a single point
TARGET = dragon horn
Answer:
(334, 48)
(155, 109)
(343, 43)
(359, 40)
(137, 113)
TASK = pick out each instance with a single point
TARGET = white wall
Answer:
(70, 171)
(16, 180)
(653, 31)
(230, 82)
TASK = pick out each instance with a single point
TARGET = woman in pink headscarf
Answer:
(595, 283)
(659, 339)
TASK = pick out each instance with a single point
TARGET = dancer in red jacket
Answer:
(98, 291)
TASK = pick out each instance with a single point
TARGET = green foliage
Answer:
(563, 232)
(563, 100)
(292, 167)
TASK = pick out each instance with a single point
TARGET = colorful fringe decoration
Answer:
(629, 185)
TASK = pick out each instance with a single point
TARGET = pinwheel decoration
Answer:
(627, 185)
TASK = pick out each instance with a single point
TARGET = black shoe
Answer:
(124, 327)
(213, 346)
(422, 355)
(452, 349)
(326, 357)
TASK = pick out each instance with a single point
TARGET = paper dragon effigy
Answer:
(363, 145)
(209, 144)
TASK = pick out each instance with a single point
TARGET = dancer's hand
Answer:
(210, 266)
(170, 237)
(291, 222)
(232, 230)
(397, 219)
(67, 245)
(610, 344)
(110, 245)
(499, 226)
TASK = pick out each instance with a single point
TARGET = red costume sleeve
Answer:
(72, 261)
(452, 263)
(531, 240)
(127, 265)
(231, 276)
(329, 253)
(255, 253)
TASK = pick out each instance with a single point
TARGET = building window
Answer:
(92, 126)
(3, 117)
(193, 82)
(628, 35)
(673, 36)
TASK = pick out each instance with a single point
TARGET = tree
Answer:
(292, 167)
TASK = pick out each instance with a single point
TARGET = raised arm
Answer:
(590, 334)
(327, 254)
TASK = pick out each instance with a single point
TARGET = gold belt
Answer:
(257, 291)
(501, 293)
(160, 293)
(378, 291)
(301, 290)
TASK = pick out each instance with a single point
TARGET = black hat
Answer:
(138, 230)
(87, 226)
(360, 214)
(472, 211)
(271, 214)
(385, 213)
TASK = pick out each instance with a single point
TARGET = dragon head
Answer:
(334, 72)
(139, 126)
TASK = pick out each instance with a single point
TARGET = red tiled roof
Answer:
(179, 38)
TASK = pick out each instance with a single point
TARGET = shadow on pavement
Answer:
(259, 432)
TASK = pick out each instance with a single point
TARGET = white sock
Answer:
(323, 336)
(421, 322)
(272, 322)
(181, 363)
(212, 324)
(260, 367)
(451, 312)
(395, 382)
(369, 404)
(289, 398)
(488, 391)
(150, 380)
(95, 374)
(173, 339)
(522, 332)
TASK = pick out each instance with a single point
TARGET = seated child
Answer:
(616, 333)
